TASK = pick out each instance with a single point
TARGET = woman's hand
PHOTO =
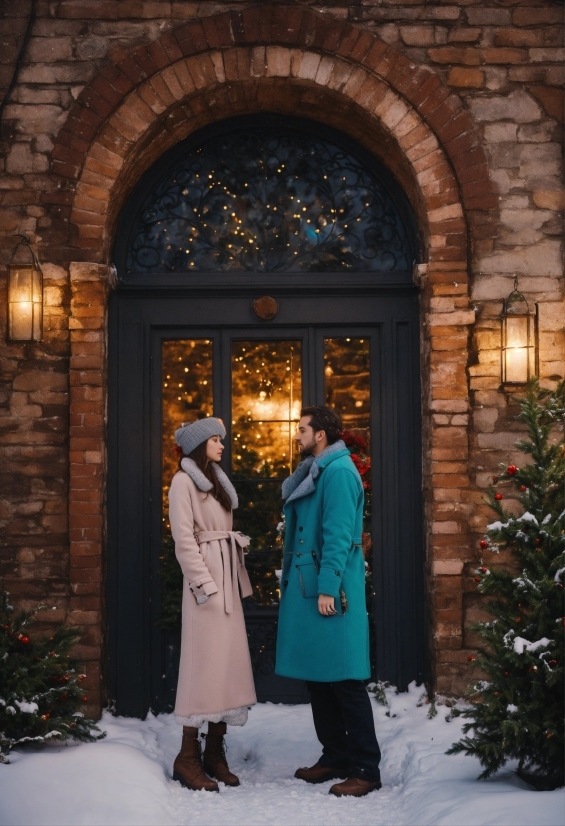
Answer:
(326, 605)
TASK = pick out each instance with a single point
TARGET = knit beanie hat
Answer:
(192, 434)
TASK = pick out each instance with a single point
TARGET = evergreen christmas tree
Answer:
(40, 684)
(517, 712)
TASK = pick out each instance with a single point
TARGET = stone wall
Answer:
(502, 61)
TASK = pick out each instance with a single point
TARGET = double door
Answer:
(178, 358)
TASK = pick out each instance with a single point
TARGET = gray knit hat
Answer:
(192, 434)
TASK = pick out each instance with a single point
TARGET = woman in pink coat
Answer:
(215, 681)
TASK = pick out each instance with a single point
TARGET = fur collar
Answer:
(202, 483)
(301, 483)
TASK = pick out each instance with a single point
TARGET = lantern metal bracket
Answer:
(26, 243)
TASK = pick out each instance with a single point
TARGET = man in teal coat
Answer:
(323, 631)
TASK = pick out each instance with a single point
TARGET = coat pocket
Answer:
(308, 576)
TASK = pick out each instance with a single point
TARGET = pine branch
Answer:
(40, 684)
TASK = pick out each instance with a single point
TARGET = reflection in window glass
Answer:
(347, 384)
(186, 395)
(266, 402)
(347, 381)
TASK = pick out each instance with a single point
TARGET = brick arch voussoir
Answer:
(295, 27)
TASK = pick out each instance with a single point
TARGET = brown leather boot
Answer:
(187, 768)
(355, 787)
(319, 774)
(215, 763)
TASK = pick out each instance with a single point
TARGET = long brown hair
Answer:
(202, 462)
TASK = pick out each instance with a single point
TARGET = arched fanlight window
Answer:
(266, 194)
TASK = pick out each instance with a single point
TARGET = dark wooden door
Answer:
(314, 315)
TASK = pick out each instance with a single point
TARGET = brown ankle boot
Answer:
(187, 768)
(215, 763)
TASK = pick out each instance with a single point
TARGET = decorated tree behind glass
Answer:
(40, 684)
(517, 711)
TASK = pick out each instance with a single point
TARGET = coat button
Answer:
(285, 583)
(301, 528)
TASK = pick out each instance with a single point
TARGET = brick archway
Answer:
(193, 72)
(284, 59)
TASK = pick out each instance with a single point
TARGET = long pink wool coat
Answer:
(215, 678)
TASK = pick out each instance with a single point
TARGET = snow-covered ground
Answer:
(126, 778)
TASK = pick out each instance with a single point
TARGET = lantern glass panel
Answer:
(21, 284)
(518, 349)
(25, 303)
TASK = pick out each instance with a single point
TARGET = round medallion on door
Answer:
(265, 308)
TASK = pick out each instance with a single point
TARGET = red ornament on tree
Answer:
(23, 639)
(484, 544)
(506, 673)
(523, 488)
(511, 470)
(81, 677)
(45, 716)
(477, 579)
(483, 569)
(494, 480)
(553, 663)
(84, 699)
(471, 658)
(498, 496)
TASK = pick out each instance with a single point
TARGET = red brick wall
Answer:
(464, 105)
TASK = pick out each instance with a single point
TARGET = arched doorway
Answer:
(252, 207)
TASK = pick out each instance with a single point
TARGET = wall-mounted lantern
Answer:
(518, 339)
(25, 295)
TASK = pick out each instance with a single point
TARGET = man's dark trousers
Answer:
(344, 724)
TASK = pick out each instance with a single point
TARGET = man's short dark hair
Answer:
(326, 419)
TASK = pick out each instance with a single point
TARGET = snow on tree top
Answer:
(527, 517)
(521, 644)
(557, 577)
(25, 707)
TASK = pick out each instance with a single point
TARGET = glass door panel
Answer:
(186, 394)
(347, 388)
(266, 402)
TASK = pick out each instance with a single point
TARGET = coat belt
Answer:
(232, 544)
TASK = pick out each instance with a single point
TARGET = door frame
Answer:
(134, 673)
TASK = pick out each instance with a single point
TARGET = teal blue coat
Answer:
(323, 555)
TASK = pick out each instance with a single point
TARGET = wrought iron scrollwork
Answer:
(268, 200)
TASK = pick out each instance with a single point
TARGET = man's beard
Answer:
(306, 450)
